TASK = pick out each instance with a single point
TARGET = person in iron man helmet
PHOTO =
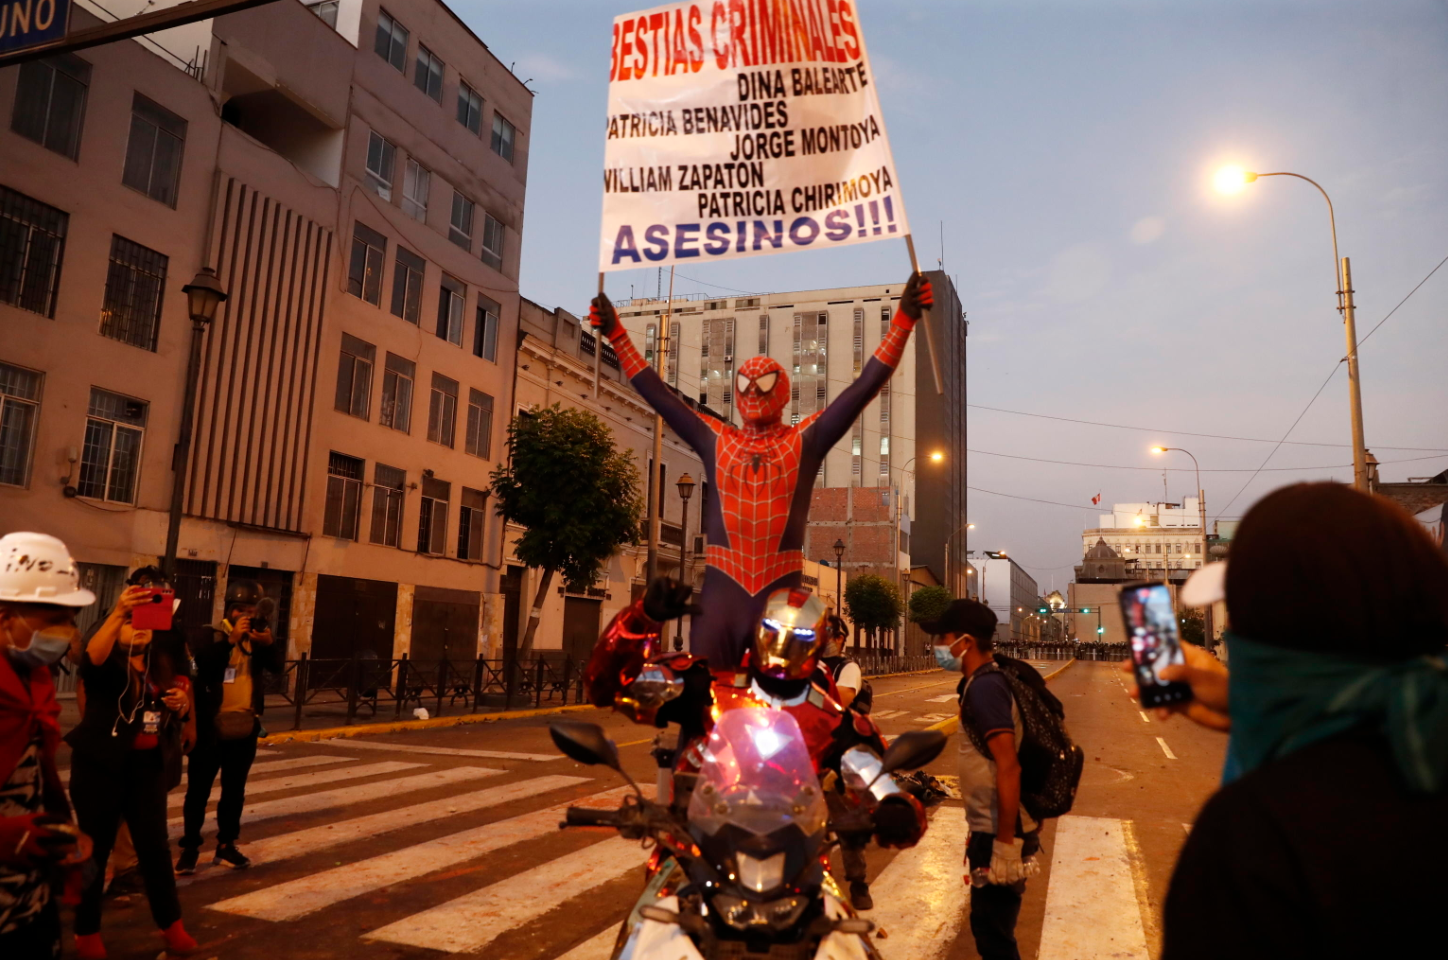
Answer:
(632, 674)
(760, 472)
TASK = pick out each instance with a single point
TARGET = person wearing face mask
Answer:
(40, 593)
(126, 756)
(1003, 836)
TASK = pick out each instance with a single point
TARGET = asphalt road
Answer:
(444, 841)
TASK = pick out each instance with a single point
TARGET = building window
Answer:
(111, 458)
(19, 411)
(470, 524)
(153, 154)
(131, 311)
(857, 443)
(672, 361)
(344, 497)
(391, 42)
(381, 157)
(651, 342)
(50, 102)
(364, 274)
(407, 275)
(884, 456)
(354, 377)
(432, 516)
(450, 300)
(485, 333)
(460, 230)
(470, 107)
(416, 184)
(327, 10)
(388, 484)
(492, 241)
(397, 380)
(885, 403)
(503, 133)
(480, 424)
(764, 335)
(427, 73)
(32, 238)
(859, 342)
(442, 411)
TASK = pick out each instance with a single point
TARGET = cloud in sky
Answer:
(1148, 230)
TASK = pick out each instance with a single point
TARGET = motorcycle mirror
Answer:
(585, 742)
(858, 925)
(913, 750)
(658, 914)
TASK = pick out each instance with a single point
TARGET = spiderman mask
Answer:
(761, 390)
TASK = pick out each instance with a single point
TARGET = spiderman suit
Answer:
(761, 473)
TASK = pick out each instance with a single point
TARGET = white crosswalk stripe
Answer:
(1091, 904)
(920, 897)
(887, 714)
(597, 947)
(439, 751)
(315, 778)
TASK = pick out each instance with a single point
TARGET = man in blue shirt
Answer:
(1003, 837)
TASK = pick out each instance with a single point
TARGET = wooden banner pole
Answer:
(597, 346)
(925, 322)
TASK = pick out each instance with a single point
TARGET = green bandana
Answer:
(1282, 700)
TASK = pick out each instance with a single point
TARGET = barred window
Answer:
(427, 73)
(672, 361)
(885, 403)
(354, 377)
(131, 311)
(110, 459)
(485, 333)
(432, 516)
(381, 161)
(344, 497)
(388, 484)
(19, 412)
(364, 273)
(859, 340)
(327, 10)
(50, 99)
(480, 425)
(885, 456)
(442, 411)
(451, 298)
(397, 381)
(471, 516)
(416, 185)
(32, 239)
(493, 234)
(764, 335)
(470, 107)
(503, 134)
(153, 153)
(460, 227)
(391, 42)
(407, 276)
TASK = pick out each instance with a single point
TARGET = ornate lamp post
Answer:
(839, 581)
(685, 484)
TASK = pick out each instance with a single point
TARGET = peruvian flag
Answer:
(1096, 499)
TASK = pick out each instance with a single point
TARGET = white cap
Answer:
(1207, 586)
(37, 568)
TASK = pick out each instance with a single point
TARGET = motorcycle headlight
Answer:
(743, 915)
(761, 875)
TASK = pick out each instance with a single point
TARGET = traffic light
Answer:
(1042, 610)
(1100, 630)
(1085, 609)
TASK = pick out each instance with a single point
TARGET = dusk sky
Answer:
(1068, 150)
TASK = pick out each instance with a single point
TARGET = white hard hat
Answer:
(37, 568)
(1207, 586)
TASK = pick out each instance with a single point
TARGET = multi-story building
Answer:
(904, 456)
(1152, 536)
(1010, 591)
(355, 176)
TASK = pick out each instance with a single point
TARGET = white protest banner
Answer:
(742, 128)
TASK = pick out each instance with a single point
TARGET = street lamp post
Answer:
(203, 295)
(1202, 505)
(951, 562)
(839, 584)
(685, 483)
(1232, 179)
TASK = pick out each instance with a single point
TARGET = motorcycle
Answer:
(747, 872)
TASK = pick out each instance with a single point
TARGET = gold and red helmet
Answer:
(790, 635)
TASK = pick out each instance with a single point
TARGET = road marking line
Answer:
(1166, 749)
(1144, 717)
(275, 784)
(887, 714)
(944, 699)
(438, 751)
(473, 921)
(297, 898)
(1091, 903)
(263, 752)
(344, 796)
(299, 843)
(921, 896)
(599, 947)
(1187, 829)
(934, 717)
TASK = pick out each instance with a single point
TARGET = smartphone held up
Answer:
(1151, 623)
(156, 611)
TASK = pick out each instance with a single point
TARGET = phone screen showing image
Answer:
(1151, 623)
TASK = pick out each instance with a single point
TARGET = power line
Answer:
(1122, 466)
(1054, 503)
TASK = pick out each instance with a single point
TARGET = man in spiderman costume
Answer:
(762, 473)
(630, 673)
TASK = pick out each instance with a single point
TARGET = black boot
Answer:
(186, 863)
(860, 897)
(228, 854)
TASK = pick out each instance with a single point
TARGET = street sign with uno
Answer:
(30, 23)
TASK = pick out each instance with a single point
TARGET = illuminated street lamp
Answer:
(1233, 179)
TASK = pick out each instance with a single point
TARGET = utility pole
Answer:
(656, 493)
(1354, 381)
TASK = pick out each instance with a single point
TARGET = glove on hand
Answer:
(31, 841)
(899, 821)
(918, 296)
(603, 316)
(1005, 862)
(668, 599)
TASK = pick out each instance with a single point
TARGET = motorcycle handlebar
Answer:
(588, 817)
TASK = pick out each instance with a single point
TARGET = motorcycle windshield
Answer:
(757, 775)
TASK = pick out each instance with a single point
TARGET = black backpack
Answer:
(865, 698)
(1050, 762)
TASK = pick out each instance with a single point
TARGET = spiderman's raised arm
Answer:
(835, 420)
(646, 380)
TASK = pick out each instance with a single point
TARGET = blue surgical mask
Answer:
(946, 659)
(46, 647)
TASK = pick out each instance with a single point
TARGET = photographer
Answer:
(39, 597)
(231, 659)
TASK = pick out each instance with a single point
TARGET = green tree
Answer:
(928, 603)
(575, 493)
(1194, 628)
(873, 603)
